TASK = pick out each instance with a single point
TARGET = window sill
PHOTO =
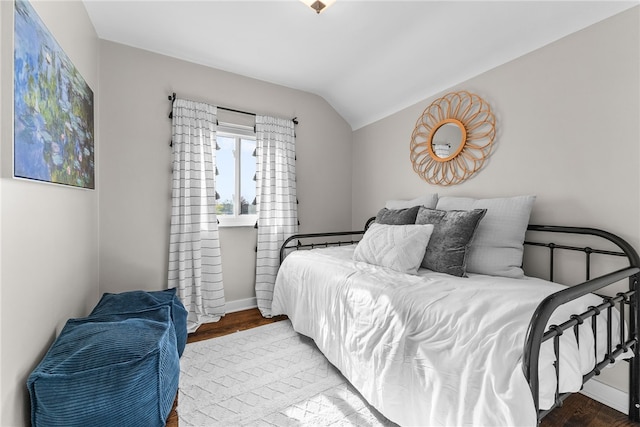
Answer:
(245, 221)
(221, 225)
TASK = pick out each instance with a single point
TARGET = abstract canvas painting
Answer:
(53, 108)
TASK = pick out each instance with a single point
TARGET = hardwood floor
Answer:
(232, 322)
(577, 411)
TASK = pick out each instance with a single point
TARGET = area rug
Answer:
(267, 376)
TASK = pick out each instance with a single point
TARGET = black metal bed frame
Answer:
(628, 302)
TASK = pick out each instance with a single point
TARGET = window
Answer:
(235, 183)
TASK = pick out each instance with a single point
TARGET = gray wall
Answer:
(568, 131)
(49, 249)
(136, 163)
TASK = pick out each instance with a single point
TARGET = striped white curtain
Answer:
(195, 267)
(276, 200)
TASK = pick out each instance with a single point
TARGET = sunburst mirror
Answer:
(452, 139)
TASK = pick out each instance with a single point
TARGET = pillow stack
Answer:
(498, 246)
(484, 236)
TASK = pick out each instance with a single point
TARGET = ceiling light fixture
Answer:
(317, 5)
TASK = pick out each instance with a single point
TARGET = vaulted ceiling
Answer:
(368, 59)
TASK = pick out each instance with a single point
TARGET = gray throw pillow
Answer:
(397, 216)
(451, 238)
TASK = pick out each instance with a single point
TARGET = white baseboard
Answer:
(607, 395)
(241, 304)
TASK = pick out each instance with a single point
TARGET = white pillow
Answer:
(398, 247)
(498, 244)
(428, 201)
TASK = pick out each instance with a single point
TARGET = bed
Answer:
(512, 351)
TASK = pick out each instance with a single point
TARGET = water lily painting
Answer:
(53, 108)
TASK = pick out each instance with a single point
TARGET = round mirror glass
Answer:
(447, 140)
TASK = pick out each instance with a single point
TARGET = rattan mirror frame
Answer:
(474, 115)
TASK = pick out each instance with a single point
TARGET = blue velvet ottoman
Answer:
(129, 302)
(108, 370)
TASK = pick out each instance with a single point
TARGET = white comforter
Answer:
(430, 349)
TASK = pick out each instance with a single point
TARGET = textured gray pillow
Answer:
(428, 201)
(452, 235)
(397, 216)
(398, 247)
(499, 243)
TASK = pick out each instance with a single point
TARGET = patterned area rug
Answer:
(267, 376)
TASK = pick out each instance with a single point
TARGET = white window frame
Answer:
(238, 132)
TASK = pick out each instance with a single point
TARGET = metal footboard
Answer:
(627, 301)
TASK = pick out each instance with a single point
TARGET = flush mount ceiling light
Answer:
(317, 5)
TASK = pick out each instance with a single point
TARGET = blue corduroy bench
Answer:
(117, 367)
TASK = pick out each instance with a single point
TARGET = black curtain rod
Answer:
(172, 98)
(236, 111)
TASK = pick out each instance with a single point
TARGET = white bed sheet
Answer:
(431, 349)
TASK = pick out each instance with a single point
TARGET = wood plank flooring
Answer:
(577, 411)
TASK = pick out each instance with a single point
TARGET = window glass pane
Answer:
(225, 180)
(247, 171)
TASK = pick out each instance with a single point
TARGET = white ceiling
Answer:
(368, 59)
